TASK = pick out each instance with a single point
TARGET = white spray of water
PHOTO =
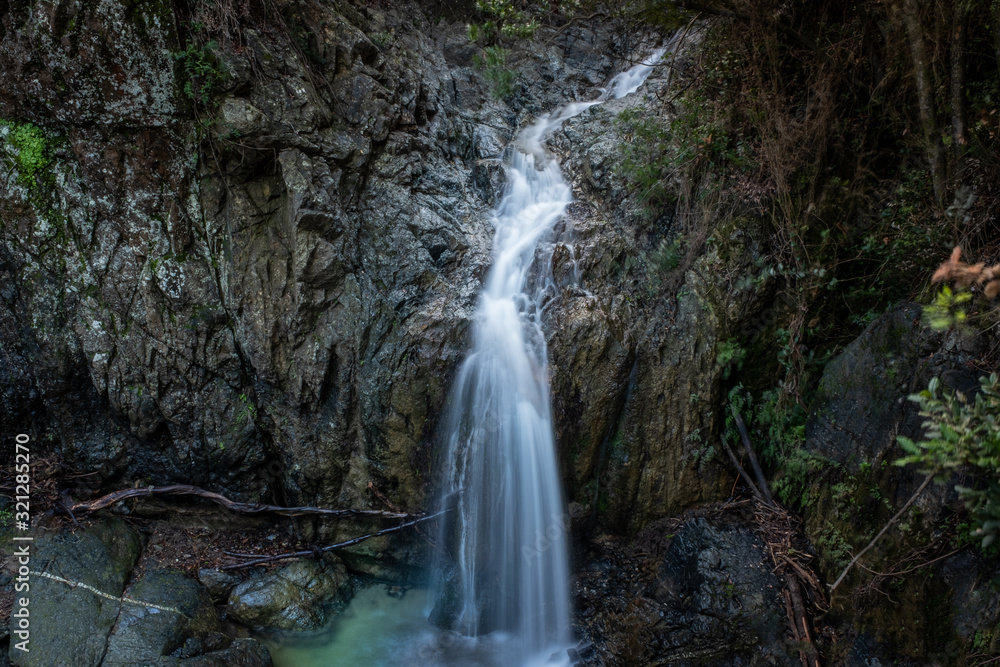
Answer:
(629, 81)
(512, 551)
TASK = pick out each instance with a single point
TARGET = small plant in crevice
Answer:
(729, 355)
(667, 255)
(32, 151)
(783, 429)
(202, 73)
(493, 63)
(832, 545)
(248, 411)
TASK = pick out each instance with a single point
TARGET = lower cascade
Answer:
(509, 569)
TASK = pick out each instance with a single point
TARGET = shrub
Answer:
(963, 435)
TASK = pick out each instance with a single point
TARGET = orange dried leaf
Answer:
(948, 269)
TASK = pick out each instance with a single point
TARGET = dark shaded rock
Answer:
(705, 596)
(853, 489)
(219, 584)
(858, 402)
(70, 625)
(295, 598)
(722, 596)
(147, 633)
(240, 653)
(975, 600)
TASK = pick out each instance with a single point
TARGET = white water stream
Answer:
(503, 477)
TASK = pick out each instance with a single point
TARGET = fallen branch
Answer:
(388, 503)
(753, 457)
(903, 573)
(741, 471)
(332, 547)
(242, 508)
(769, 515)
(885, 529)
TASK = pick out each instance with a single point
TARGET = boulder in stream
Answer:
(294, 598)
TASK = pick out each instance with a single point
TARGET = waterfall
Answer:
(509, 528)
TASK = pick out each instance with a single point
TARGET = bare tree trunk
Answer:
(995, 13)
(958, 119)
(922, 75)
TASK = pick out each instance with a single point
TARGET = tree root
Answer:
(242, 508)
(321, 550)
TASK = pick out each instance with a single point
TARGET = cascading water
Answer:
(510, 573)
(511, 563)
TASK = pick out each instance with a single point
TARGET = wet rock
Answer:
(175, 608)
(219, 584)
(295, 598)
(71, 624)
(722, 597)
(240, 653)
(447, 606)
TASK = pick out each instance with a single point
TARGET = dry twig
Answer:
(332, 547)
(885, 529)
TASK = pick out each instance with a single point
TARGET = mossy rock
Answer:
(860, 408)
(70, 624)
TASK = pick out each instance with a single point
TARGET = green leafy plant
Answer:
(33, 151)
(963, 435)
(729, 355)
(667, 255)
(948, 310)
(493, 63)
(201, 71)
(503, 19)
(248, 411)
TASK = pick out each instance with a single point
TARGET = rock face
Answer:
(853, 490)
(269, 292)
(71, 625)
(704, 595)
(84, 614)
(183, 617)
(635, 377)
